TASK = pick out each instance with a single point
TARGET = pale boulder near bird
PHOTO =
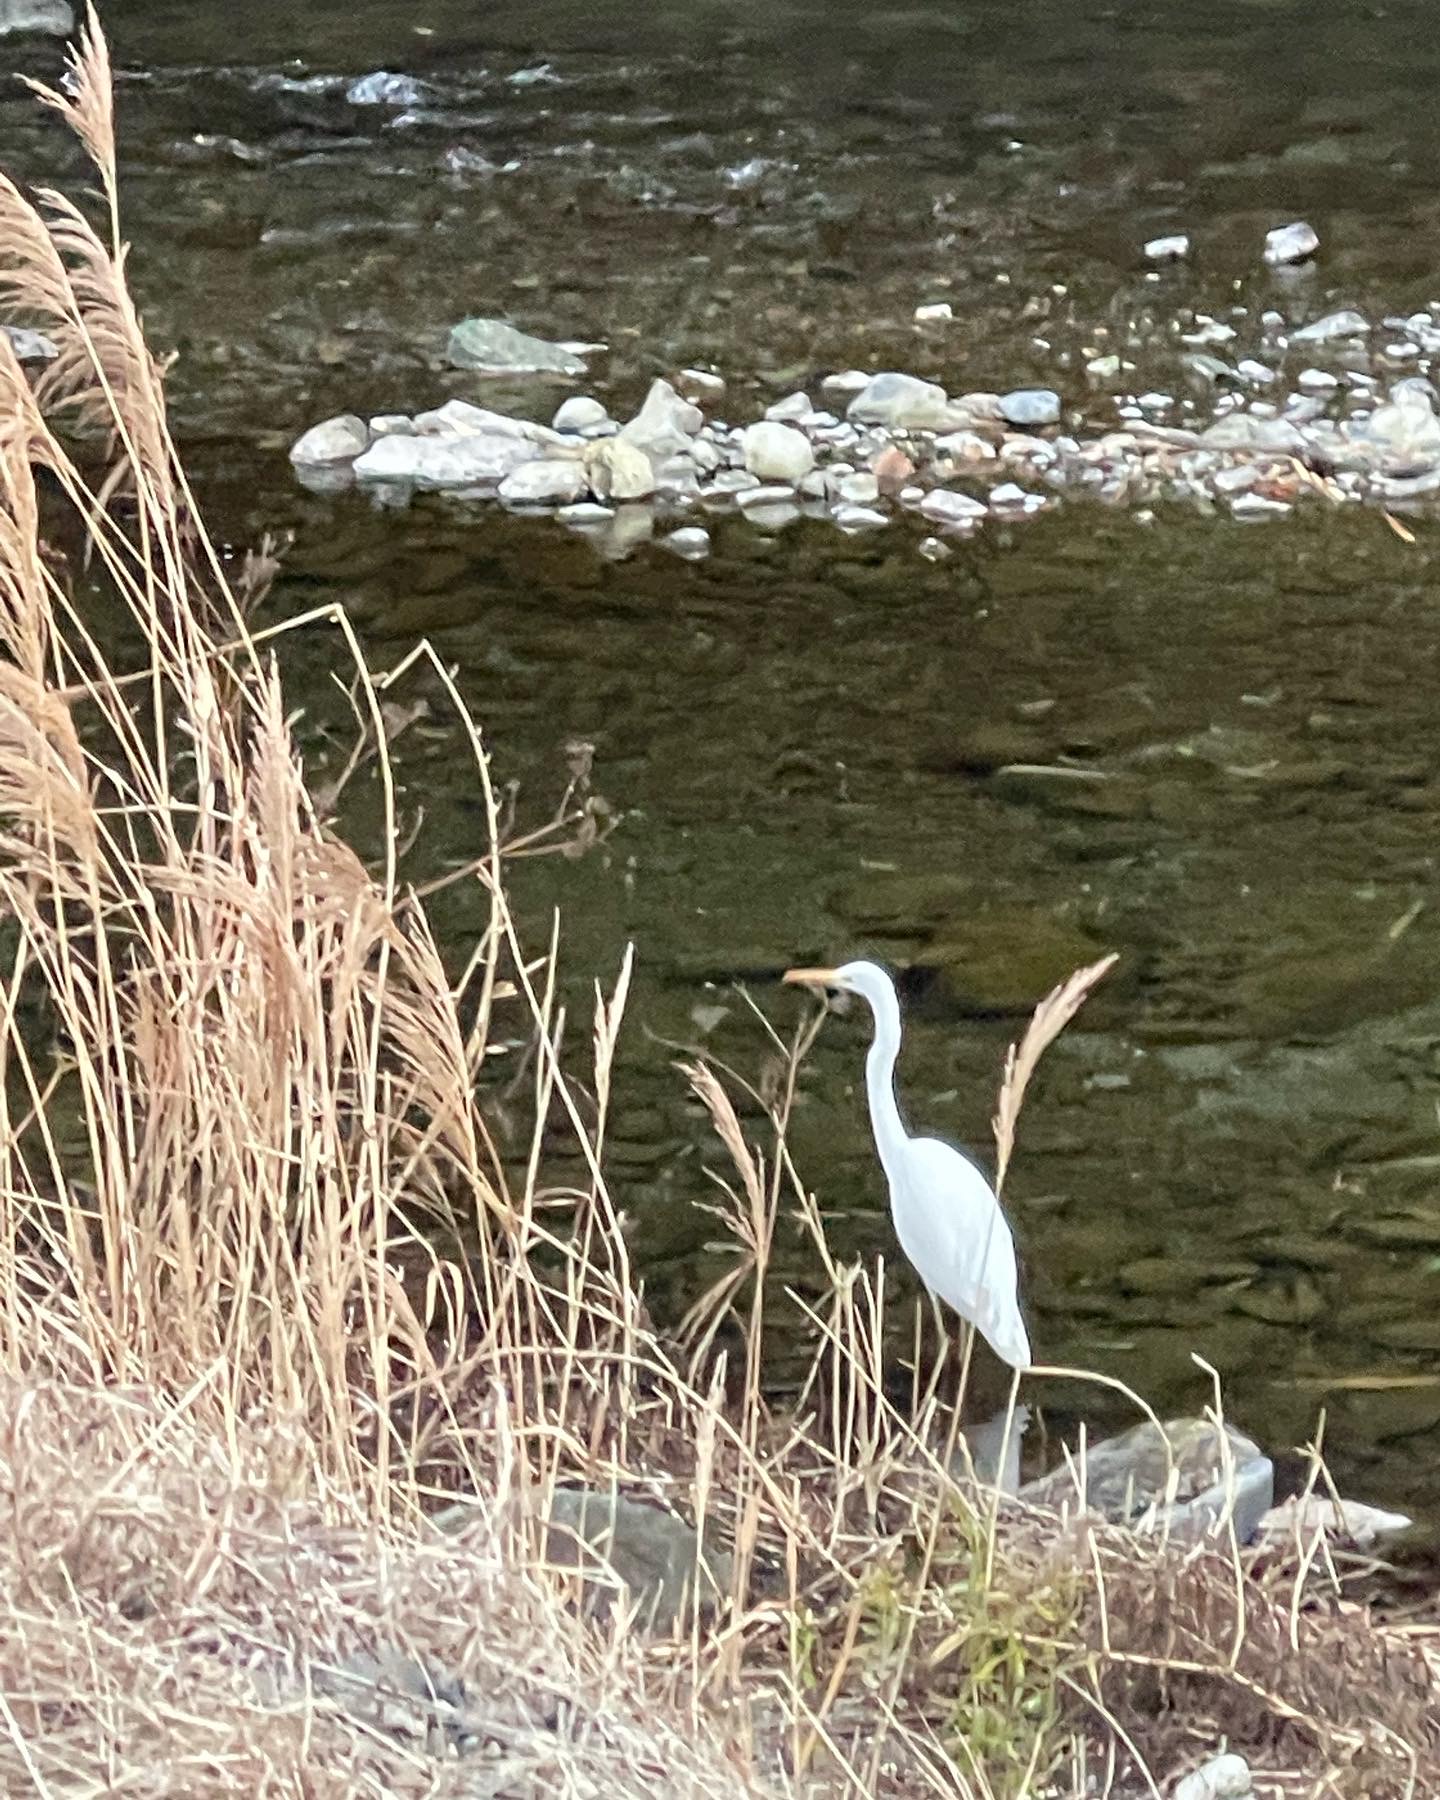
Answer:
(947, 1215)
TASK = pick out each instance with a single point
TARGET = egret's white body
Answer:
(947, 1215)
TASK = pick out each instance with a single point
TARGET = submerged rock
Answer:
(494, 347)
(943, 506)
(337, 440)
(55, 18)
(385, 89)
(692, 542)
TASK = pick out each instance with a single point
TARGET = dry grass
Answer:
(270, 1293)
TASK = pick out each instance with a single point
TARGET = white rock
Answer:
(818, 421)
(1254, 507)
(461, 418)
(386, 89)
(939, 312)
(776, 452)
(858, 518)
(1222, 1778)
(664, 424)
(791, 409)
(965, 447)
(1290, 243)
(579, 413)
(482, 460)
(586, 512)
(1343, 1521)
(1168, 249)
(934, 549)
(812, 486)
(1258, 374)
(392, 425)
(337, 440)
(692, 542)
(733, 481)
(1103, 367)
(773, 515)
(772, 494)
(30, 346)
(1011, 497)
(846, 382)
(705, 455)
(1347, 323)
(618, 470)
(943, 506)
(699, 384)
(903, 402)
(859, 489)
(544, 483)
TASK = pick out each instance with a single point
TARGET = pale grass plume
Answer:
(1050, 1018)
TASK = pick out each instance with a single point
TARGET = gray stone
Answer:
(579, 413)
(337, 440)
(1127, 1479)
(1347, 323)
(903, 402)
(1031, 407)
(1290, 243)
(55, 18)
(392, 425)
(482, 460)
(776, 452)
(1402, 437)
(664, 424)
(493, 347)
(586, 512)
(30, 346)
(544, 483)
(943, 506)
(384, 89)
(619, 470)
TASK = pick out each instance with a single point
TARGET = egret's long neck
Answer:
(880, 1077)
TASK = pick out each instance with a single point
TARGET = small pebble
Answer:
(1168, 249)
(692, 542)
(939, 313)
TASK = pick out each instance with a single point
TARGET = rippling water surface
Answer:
(1238, 1151)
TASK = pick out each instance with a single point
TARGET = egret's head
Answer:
(867, 979)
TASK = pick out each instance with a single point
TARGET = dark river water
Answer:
(1236, 1151)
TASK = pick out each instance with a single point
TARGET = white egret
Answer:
(947, 1215)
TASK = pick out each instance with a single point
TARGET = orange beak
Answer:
(809, 977)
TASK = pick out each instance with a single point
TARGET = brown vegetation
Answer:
(271, 1295)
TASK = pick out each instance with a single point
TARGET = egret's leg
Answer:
(993, 1522)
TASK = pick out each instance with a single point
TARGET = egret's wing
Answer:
(951, 1227)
